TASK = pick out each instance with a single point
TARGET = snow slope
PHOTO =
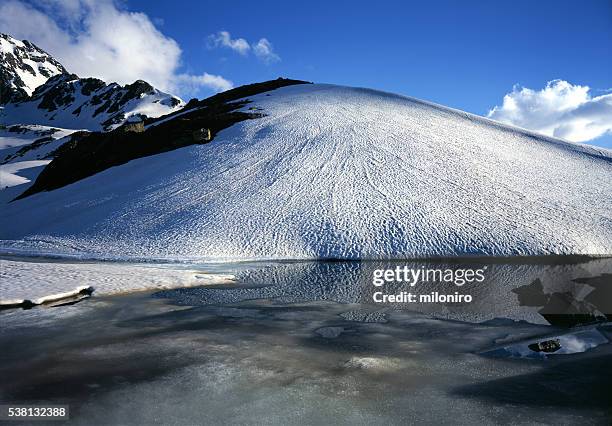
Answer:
(17, 136)
(335, 172)
(24, 151)
(9, 176)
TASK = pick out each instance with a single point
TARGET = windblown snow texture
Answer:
(336, 172)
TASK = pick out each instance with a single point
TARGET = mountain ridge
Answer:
(52, 96)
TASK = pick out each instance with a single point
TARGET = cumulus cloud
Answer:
(263, 49)
(560, 109)
(98, 39)
(224, 39)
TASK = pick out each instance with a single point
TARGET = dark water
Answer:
(305, 343)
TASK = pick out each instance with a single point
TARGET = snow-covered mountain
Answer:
(23, 67)
(68, 101)
(330, 171)
(41, 104)
(36, 89)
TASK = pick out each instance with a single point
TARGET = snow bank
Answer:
(336, 172)
(37, 280)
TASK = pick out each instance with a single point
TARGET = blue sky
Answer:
(462, 54)
(466, 55)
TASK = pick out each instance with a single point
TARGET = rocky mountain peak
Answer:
(23, 67)
(36, 89)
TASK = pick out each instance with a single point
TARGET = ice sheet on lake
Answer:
(150, 363)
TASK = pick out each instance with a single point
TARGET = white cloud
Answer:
(262, 49)
(190, 83)
(97, 39)
(224, 39)
(560, 109)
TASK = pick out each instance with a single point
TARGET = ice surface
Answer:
(560, 292)
(131, 360)
(336, 172)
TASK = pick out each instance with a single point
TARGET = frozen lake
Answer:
(303, 343)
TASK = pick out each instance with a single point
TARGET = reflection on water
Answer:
(562, 292)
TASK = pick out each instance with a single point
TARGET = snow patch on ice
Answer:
(35, 280)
